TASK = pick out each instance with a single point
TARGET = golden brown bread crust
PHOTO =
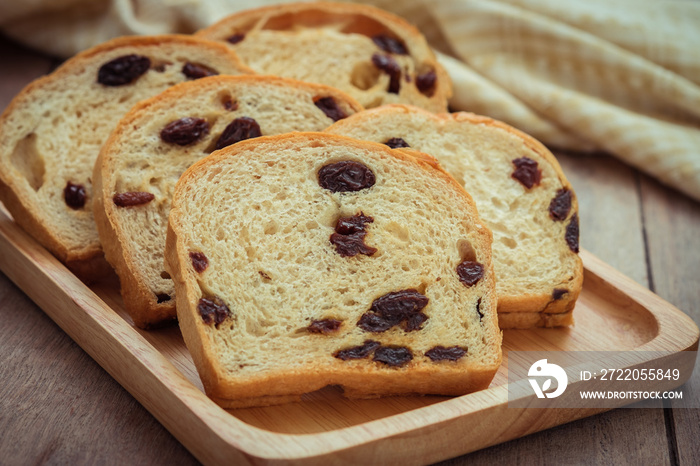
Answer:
(139, 298)
(352, 18)
(359, 379)
(363, 19)
(526, 320)
(534, 304)
(357, 384)
(86, 260)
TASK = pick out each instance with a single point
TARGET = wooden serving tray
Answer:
(613, 313)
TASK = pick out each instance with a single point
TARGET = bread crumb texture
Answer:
(52, 131)
(530, 252)
(262, 219)
(376, 57)
(138, 159)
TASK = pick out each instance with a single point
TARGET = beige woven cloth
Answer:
(621, 76)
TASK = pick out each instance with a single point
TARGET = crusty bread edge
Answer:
(528, 320)
(288, 387)
(508, 304)
(361, 385)
(88, 263)
(137, 296)
(541, 303)
(401, 27)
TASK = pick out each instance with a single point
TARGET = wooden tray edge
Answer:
(118, 348)
(670, 319)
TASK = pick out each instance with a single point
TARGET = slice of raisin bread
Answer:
(374, 56)
(521, 193)
(51, 133)
(155, 143)
(310, 259)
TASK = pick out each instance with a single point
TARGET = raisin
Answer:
(388, 65)
(470, 272)
(572, 233)
(132, 198)
(478, 309)
(345, 176)
(390, 45)
(394, 356)
(213, 310)
(349, 236)
(440, 353)
(236, 38)
(426, 83)
(324, 326)
(354, 224)
(560, 205)
(526, 172)
(351, 245)
(329, 106)
(123, 70)
(414, 322)
(559, 293)
(395, 143)
(238, 130)
(74, 195)
(371, 322)
(163, 297)
(199, 261)
(195, 71)
(185, 131)
(357, 352)
(399, 305)
(230, 104)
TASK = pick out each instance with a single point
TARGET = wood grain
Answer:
(673, 232)
(57, 402)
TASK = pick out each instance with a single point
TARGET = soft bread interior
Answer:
(52, 132)
(136, 158)
(259, 215)
(332, 43)
(530, 253)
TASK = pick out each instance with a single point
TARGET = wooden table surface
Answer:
(58, 406)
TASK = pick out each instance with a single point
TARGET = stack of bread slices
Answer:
(289, 186)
